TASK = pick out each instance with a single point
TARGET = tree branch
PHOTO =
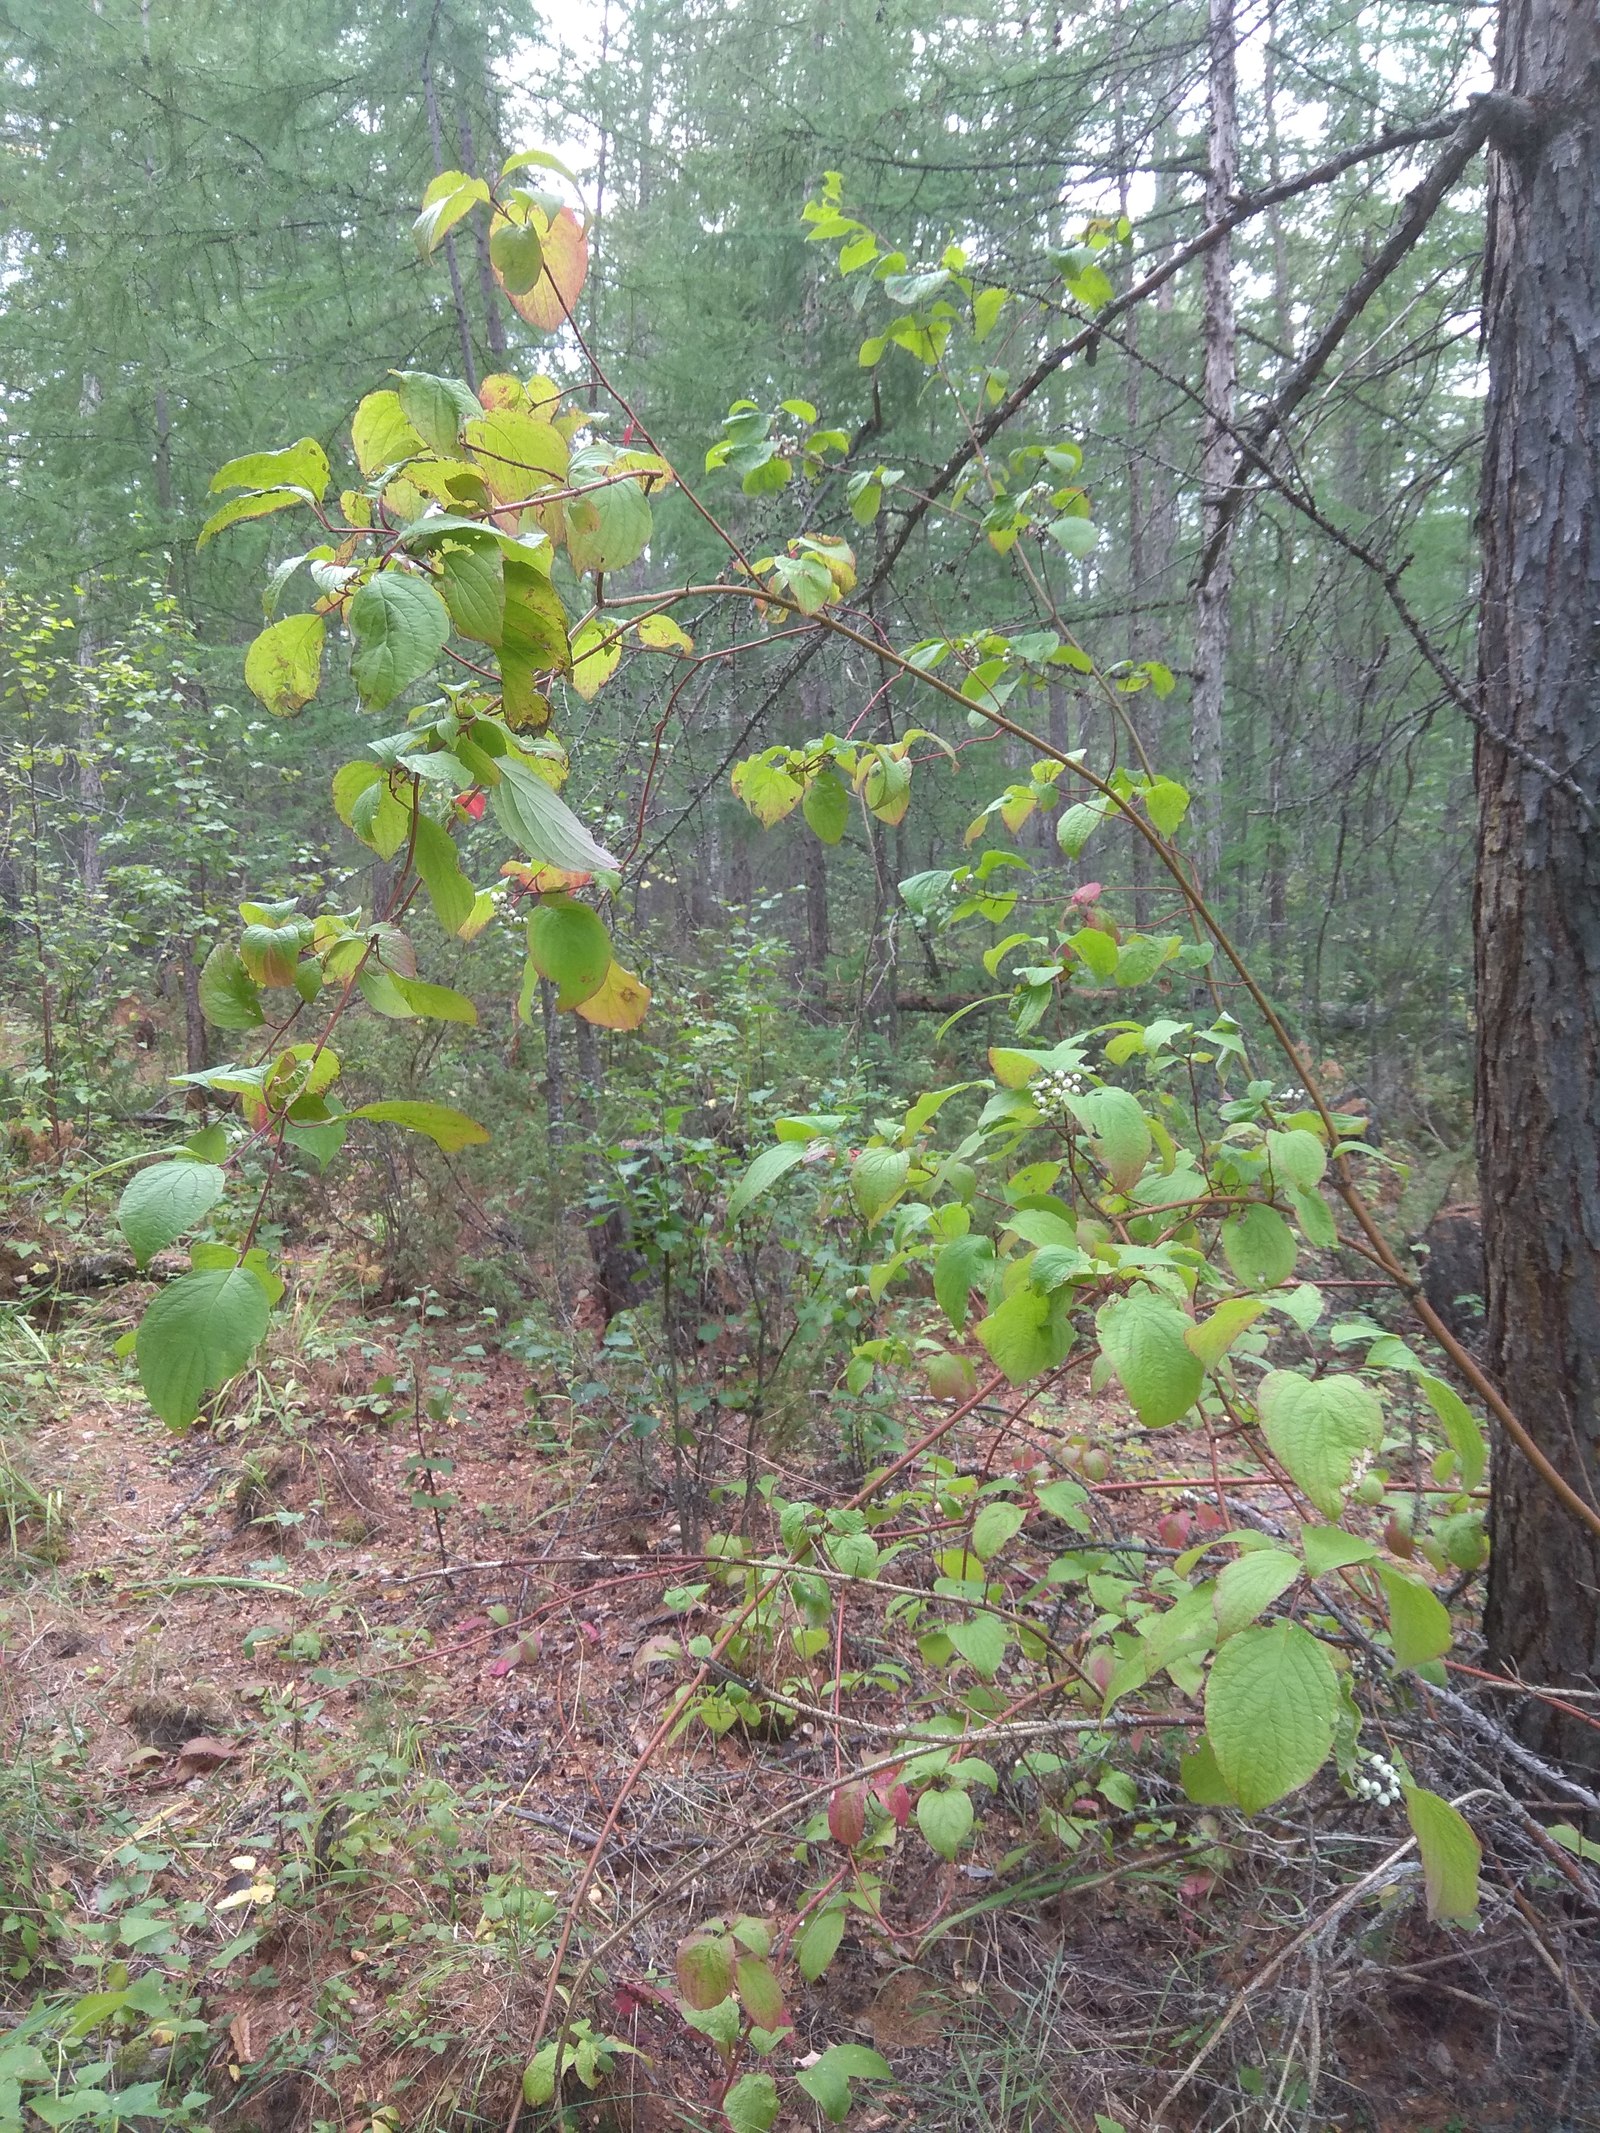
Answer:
(1243, 210)
(1420, 208)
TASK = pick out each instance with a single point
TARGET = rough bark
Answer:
(1538, 879)
(1214, 592)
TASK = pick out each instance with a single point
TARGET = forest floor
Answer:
(259, 1745)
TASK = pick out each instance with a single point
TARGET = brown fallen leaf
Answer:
(657, 1651)
(239, 2039)
(206, 1752)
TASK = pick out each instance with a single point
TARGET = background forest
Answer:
(1110, 381)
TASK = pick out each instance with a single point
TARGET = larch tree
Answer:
(1538, 881)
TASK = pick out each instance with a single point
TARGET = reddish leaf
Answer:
(847, 1817)
(705, 1964)
(896, 1803)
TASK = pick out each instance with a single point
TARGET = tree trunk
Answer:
(1538, 880)
(430, 95)
(1213, 595)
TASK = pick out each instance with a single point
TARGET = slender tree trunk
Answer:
(1213, 596)
(469, 369)
(1275, 869)
(494, 318)
(1538, 881)
(555, 1100)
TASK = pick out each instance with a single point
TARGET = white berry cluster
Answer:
(1052, 1093)
(1293, 1094)
(1379, 1782)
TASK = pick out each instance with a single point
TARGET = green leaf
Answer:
(198, 1332)
(1451, 1856)
(1029, 1333)
(828, 2082)
(1319, 1428)
(436, 408)
(770, 1165)
(1460, 1427)
(1077, 825)
(826, 806)
(963, 1265)
(982, 1643)
(543, 825)
(380, 434)
(1248, 1586)
(229, 996)
(301, 466)
(448, 1128)
(945, 1816)
(1065, 1500)
(284, 665)
(378, 816)
(568, 944)
(449, 196)
(1166, 802)
(1119, 1131)
(994, 1526)
(539, 2075)
(247, 507)
(1259, 1246)
(473, 583)
(819, 1943)
(400, 626)
(1201, 1780)
(1419, 1621)
(1214, 1336)
(439, 864)
(1078, 536)
(1271, 1700)
(1330, 1548)
(759, 1991)
(435, 1003)
(751, 2105)
(877, 1179)
(320, 1143)
(1573, 1840)
(607, 528)
(986, 306)
(1143, 1338)
(1099, 951)
(1314, 1216)
(518, 255)
(1298, 1157)
(536, 622)
(160, 1203)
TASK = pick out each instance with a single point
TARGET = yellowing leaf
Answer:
(596, 649)
(449, 196)
(245, 507)
(565, 245)
(517, 453)
(284, 665)
(380, 433)
(661, 634)
(303, 465)
(622, 1002)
